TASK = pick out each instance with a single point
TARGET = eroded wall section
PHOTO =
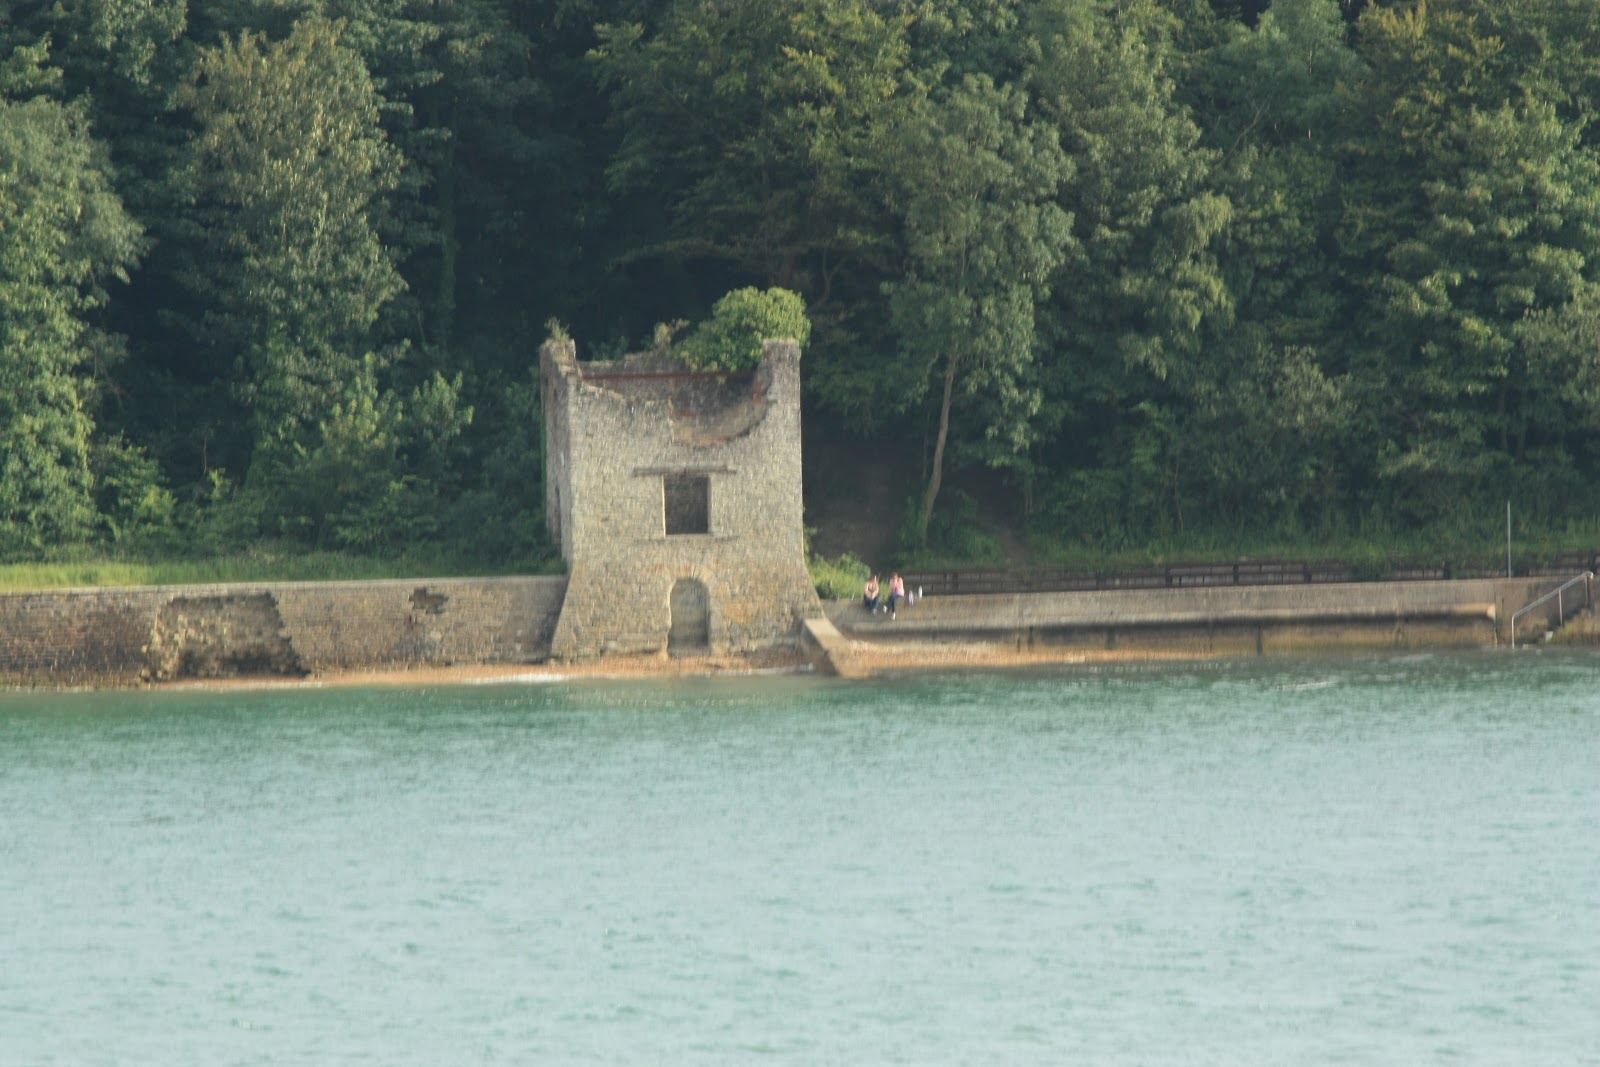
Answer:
(129, 636)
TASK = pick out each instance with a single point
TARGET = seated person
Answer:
(869, 595)
(897, 593)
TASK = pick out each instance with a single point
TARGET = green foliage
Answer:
(1129, 307)
(957, 535)
(1560, 346)
(740, 321)
(370, 478)
(133, 503)
(1473, 207)
(217, 519)
(263, 561)
(1181, 280)
(287, 167)
(500, 514)
(750, 120)
(24, 65)
(840, 578)
(63, 233)
(983, 234)
(349, 485)
(1279, 84)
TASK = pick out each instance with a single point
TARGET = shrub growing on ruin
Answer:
(731, 338)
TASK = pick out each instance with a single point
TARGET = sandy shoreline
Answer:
(873, 659)
(482, 674)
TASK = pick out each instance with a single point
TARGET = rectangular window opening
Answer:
(687, 503)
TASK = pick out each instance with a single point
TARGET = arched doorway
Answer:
(691, 618)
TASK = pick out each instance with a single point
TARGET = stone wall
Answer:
(621, 437)
(555, 391)
(128, 636)
(125, 636)
(220, 637)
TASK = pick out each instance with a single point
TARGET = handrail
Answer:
(955, 581)
(1561, 614)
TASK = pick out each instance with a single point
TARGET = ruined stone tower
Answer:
(675, 497)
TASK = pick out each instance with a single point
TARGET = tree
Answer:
(1131, 307)
(746, 127)
(65, 235)
(1471, 206)
(1554, 46)
(974, 180)
(481, 174)
(122, 63)
(1561, 349)
(731, 339)
(1279, 84)
(288, 170)
(1265, 408)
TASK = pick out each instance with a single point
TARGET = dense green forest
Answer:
(277, 270)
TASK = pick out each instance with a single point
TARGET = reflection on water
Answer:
(1347, 860)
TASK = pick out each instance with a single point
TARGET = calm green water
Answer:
(1364, 861)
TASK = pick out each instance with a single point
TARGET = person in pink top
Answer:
(897, 593)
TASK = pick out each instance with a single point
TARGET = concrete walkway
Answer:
(1203, 621)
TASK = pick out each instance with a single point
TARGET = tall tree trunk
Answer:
(937, 475)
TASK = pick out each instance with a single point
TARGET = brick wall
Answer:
(123, 636)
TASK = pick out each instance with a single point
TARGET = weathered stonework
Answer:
(111, 637)
(283, 629)
(676, 500)
(220, 637)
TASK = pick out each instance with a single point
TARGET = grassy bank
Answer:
(264, 563)
(1373, 556)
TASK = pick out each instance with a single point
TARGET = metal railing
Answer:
(1558, 595)
(957, 581)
